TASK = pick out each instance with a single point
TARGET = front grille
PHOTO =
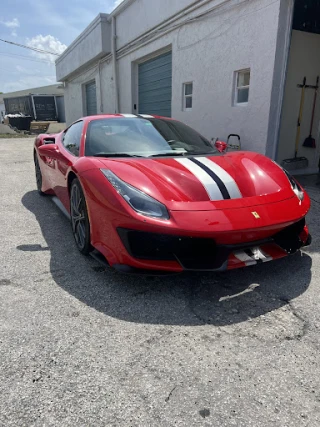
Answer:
(195, 253)
(191, 252)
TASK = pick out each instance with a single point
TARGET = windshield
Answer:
(143, 138)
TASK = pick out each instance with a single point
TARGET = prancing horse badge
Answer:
(256, 215)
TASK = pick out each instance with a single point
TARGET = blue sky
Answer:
(45, 24)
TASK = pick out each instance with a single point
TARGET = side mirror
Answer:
(50, 150)
(221, 146)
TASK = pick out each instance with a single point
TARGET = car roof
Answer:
(131, 116)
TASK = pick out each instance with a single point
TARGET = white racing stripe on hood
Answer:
(146, 116)
(227, 179)
(209, 184)
(128, 115)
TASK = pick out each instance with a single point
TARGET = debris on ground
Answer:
(7, 129)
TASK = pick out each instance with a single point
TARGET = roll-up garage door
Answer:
(155, 86)
(91, 99)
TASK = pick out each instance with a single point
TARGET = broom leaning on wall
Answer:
(298, 162)
(310, 141)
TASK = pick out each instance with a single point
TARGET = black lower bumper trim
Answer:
(194, 253)
(127, 269)
(95, 254)
(309, 241)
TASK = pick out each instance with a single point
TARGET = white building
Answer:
(221, 66)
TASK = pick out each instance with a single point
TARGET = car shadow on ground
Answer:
(186, 299)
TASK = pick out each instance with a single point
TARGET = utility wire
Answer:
(31, 48)
(6, 69)
(28, 58)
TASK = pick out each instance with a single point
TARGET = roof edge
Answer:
(33, 91)
(101, 17)
(122, 6)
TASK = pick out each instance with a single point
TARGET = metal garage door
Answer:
(155, 86)
(61, 109)
(91, 99)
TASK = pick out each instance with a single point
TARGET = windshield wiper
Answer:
(115, 155)
(202, 153)
(170, 153)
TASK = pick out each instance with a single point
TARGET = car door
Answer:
(70, 147)
(48, 165)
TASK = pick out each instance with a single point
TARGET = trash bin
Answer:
(21, 123)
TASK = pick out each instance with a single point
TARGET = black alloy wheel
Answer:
(38, 175)
(79, 218)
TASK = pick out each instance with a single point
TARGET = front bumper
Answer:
(204, 254)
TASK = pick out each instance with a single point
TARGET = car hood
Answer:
(232, 180)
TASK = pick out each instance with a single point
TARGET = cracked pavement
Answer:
(84, 345)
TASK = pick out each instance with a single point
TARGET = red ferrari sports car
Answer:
(150, 193)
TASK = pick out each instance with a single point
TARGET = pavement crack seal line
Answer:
(205, 321)
(170, 394)
(251, 288)
(297, 315)
(300, 331)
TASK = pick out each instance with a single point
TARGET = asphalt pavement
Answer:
(82, 345)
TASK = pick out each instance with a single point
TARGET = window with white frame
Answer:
(242, 83)
(187, 96)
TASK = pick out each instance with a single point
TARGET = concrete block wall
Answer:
(208, 51)
(75, 91)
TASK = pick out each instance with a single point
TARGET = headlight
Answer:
(295, 186)
(139, 201)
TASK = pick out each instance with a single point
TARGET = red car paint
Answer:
(267, 206)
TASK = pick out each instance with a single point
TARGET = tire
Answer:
(79, 218)
(38, 175)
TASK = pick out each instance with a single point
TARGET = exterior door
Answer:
(155, 86)
(91, 98)
(71, 149)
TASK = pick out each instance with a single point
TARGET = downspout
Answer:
(100, 86)
(114, 62)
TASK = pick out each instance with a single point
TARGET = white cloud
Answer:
(48, 43)
(14, 23)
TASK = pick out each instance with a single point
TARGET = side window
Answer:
(72, 138)
(241, 96)
(187, 96)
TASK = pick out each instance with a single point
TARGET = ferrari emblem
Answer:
(256, 215)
